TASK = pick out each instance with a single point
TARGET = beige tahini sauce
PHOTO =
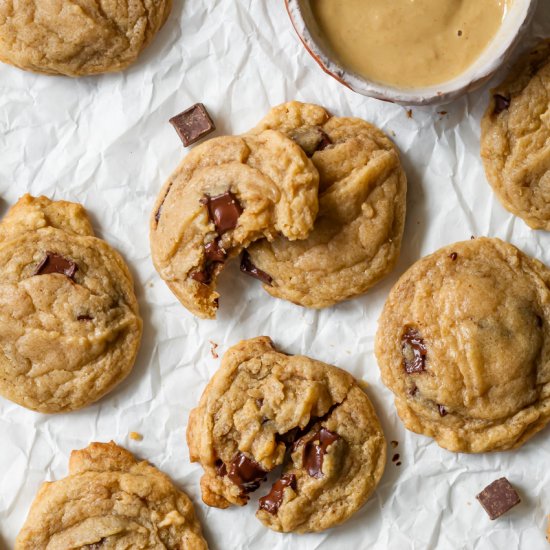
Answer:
(409, 43)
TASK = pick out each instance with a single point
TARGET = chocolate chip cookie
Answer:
(110, 500)
(515, 139)
(77, 38)
(263, 410)
(357, 235)
(69, 321)
(227, 193)
(463, 342)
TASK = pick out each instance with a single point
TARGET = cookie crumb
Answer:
(136, 436)
(409, 113)
(213, 349)
(394, 443)
(442, 113)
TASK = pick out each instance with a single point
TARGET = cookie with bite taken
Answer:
(264, 410)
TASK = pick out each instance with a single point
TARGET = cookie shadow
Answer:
(416, 221)
(146, 352)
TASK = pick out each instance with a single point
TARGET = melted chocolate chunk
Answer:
(224, 211)
(193, 124)
(311, 139)
(540, 322)
(324, 142)
(273, 500)
(201, 276)
(453, 256)
(213, 252)
(442, 410)
(315, 450)
(502, 103)
(414, 351)
(55, 263)
(221, 468)
(250, 269)
(246, 473)
(498, 497)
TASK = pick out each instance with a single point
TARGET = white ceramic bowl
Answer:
(513, 27)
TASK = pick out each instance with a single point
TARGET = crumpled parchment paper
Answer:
(105, 142)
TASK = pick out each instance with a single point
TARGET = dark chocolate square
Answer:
(193, 124)
(498, 497)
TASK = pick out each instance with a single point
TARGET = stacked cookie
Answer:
(317, 204)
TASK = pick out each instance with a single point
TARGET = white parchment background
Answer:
(106, 142)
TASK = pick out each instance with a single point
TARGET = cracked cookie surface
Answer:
(110, 500)
(263, 410)
(515, 139)
(78, 37)
(226, 193)
(463, 343)
(69, 320)
(362, 201)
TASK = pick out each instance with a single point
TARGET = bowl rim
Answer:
(414, 96)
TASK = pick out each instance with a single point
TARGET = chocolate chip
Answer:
(315, 449)
(273, 500)
(221, 468)
(250, 269)
(224, 211)
(459, 32)
(414, 351)
(442, 410)
(311, 139)
(453, 256)
(246, 473)
(395, 457)
(413, 391)
(193, 124)
(498, 497)
(502, 103)
(324, 143)
(55, 263)
(213, 252)
(201, 276)
(540, 322)
(398, 463)
(84, 318)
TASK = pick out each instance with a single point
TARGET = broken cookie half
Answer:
(307, 423)
(227, 193)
